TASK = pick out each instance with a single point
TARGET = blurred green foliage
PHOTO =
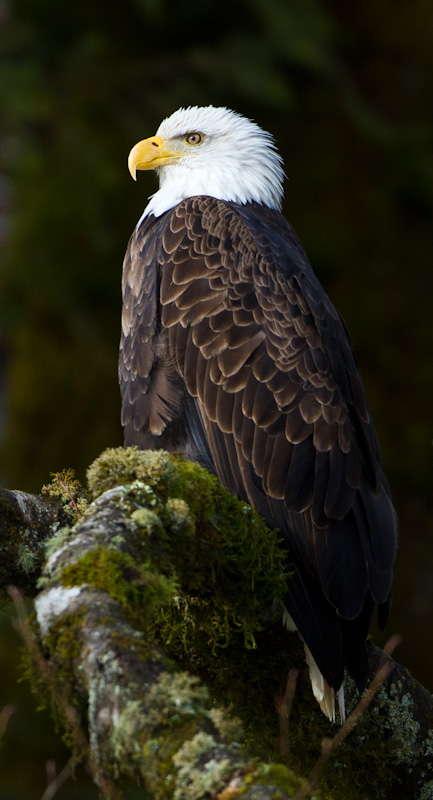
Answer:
(345, 87)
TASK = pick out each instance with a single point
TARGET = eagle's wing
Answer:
(152, 393)
(278, 402)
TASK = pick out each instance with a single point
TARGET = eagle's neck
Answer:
(230, 182)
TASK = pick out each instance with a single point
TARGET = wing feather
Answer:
(276, 400)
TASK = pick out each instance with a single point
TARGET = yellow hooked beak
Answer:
(150, 154)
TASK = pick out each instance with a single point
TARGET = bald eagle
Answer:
(232, 352)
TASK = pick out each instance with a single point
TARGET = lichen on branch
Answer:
(133, 556)
(160, 608)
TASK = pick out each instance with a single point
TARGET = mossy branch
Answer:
(27, 521)
(164, 566)
(103, 587)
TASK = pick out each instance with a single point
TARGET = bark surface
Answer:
(110, 584)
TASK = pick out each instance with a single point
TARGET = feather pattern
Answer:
(232, 351)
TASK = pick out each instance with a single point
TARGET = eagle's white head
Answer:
(210, 151)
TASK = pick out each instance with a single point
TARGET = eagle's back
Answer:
(232, 351)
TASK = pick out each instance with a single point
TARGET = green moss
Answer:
(27, 559)
(386, 740)
(136, 587)
(118, 465)
(50, 675)
(163, 730)
(58, 540)
(229, 728)
(21, 553)
(193, 782)
(280, 776)
(229, 578)
(206, 581)
(426, 792)
(400, 724)
(178, 514)
(124, 739)
(146, 520)
(178, 695)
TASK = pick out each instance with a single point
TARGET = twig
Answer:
(284, 711)
(329, 746)
(59, 780)
(67, 489)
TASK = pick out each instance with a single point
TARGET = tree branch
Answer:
(27, 521)
(145, 721)
(165, 565)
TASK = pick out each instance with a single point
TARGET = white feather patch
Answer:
(323, 692)
(288, 621)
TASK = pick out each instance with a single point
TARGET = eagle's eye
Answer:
(194, 138)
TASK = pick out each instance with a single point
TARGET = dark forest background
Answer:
(347, 90)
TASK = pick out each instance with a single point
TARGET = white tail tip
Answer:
(323, 692)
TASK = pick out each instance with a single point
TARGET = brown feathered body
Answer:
(232, 353)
